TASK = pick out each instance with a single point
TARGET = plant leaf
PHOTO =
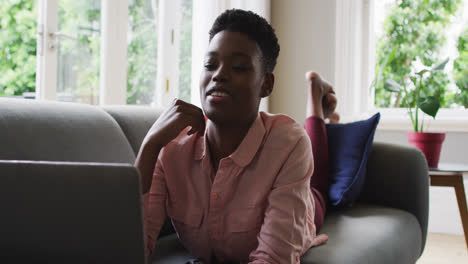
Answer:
(429, 105)
(441, 65)
(392, 86)
(420, 73)
(391, 56)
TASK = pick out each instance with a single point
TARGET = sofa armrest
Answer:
(397, 176)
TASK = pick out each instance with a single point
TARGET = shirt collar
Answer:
(247, 149)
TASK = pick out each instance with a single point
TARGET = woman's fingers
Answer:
(190, 115)
(178, 116)
(193, 115)
(319, 240)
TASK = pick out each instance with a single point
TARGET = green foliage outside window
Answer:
(78, 60)
(460, 70)
(18, 27)
(142, 51)
(414, 31)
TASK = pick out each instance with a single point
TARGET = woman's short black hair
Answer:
(255, 27)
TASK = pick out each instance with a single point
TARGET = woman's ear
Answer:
(268, 83)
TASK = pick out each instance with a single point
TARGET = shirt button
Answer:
(214, 196)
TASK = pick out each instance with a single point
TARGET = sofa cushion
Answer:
(359, 234)
(349, 146)
(57, 131)
(367, 233)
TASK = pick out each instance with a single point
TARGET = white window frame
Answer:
(355, 60)
(46, 62)
(113, 53)
(167, 80)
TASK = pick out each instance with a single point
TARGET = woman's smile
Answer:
(218, 94)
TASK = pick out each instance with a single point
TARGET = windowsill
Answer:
(446, 120)
(398, 120)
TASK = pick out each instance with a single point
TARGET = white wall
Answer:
(306, 34)
(306, 31)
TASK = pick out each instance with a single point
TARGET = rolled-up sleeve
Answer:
(288, 228)
(154, 208)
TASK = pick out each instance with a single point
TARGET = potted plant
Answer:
(429, 143)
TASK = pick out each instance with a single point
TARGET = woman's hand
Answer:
(167, 127)
(319, 240)
(172, 121)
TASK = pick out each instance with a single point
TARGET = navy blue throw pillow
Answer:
(349, 146)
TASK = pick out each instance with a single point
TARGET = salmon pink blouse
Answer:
(257, 207)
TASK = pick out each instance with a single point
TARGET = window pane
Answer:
(416, 35)
(142, 51)
(185, 60)
(78, 57)
(18, 28)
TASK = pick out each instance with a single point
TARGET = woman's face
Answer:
(232, 80)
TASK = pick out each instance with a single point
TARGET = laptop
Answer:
(63, 212)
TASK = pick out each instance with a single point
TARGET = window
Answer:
(78, 49)
(356, 54)
(145, 20)
(96, 51)
(142, 51)
(424, 33)
(421, 39)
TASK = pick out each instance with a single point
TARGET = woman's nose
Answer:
(221, 74)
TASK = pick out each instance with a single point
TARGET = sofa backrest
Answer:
(57, 131)
(135, 121)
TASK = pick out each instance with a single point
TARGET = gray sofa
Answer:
(387, 225)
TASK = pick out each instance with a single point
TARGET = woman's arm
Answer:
(154, 208)
(167, 127)
(288, 229)
(145, 163)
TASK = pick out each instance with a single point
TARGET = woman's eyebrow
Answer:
(235, 54)
(239, 54)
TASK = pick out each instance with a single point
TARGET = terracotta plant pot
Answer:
(429, 143)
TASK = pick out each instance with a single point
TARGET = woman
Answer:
(238, 187)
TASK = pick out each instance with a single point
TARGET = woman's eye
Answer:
(209, 66)
(240, 68)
